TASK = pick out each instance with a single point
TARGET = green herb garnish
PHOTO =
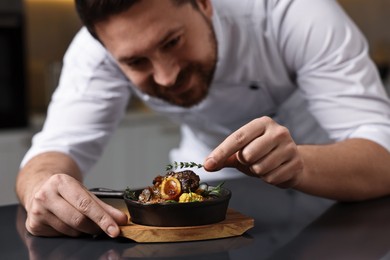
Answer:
(181, 165)
(129, 194)
(215, 191)
(171, 201)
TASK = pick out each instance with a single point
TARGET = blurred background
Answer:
(34, 34)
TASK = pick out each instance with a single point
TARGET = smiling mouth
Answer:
(189, 89)
(183, 88)
(183, 85)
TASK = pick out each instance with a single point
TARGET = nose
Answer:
(166, 72)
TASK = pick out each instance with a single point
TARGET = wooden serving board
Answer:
(235, 224)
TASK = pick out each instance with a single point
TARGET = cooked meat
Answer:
(188, 179)
(170, 186)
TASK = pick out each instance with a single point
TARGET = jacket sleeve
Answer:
(87, 105)
(333, 69)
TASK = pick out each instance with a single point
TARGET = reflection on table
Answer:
(288, 225)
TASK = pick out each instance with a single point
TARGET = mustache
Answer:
(181, 79)
(183, 76)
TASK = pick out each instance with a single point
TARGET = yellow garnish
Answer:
(190, 197)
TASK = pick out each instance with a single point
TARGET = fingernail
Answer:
(111, 230)
(211, 163)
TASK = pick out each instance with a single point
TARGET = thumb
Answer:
(232, 162)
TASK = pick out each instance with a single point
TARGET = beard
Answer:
(198, 74)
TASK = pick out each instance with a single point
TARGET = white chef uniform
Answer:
(302, 62)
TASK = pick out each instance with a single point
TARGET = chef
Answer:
(284, 91)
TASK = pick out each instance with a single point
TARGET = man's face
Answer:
(167, 51)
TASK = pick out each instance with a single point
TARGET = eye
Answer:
(137, 63)
(172, 43)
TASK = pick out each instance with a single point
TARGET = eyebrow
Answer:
(168, 35)
(161, 42)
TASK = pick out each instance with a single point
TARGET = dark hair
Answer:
(94, 11)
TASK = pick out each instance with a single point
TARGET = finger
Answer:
(256, 150)
(119, 216)
(54, 228)
(84, 203)
(42, 231)
(53, 210)
(41, 222)
(285, 176)
(235, 142)
(272, 160)
(233, 162)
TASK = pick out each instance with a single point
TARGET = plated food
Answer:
(176, 187)
(178, 199)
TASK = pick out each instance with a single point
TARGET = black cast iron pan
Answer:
(172, 214)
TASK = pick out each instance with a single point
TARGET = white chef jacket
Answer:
(302, 62)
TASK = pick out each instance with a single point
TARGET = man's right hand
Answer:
(58, 204)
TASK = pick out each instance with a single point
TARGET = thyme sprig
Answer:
(175, 165)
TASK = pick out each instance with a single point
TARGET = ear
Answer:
(206, 7)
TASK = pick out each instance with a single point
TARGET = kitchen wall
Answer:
(373, 18)
(50, 26)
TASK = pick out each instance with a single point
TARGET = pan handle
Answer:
(107, 193)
